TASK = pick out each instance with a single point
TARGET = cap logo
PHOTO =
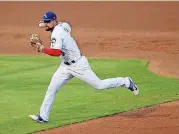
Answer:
(45, 15)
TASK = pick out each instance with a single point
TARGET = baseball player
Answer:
(73, 64)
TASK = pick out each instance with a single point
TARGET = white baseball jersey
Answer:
(62, 39)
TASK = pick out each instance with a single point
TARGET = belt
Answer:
(73, 61)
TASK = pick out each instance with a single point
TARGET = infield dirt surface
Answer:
(135, 30)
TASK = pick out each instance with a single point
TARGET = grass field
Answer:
(24, 80)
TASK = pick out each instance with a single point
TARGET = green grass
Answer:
(24, 80)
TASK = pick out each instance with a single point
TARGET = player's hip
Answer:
(81, 62)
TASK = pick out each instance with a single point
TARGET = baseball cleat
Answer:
(133, 87)
(37, 118)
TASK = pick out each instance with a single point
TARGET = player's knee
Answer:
(99, 86)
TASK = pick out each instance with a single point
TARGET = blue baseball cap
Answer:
(48, 16)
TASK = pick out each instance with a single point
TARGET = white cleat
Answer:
(37, 118)
(133, 87)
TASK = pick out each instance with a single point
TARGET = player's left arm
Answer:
(54, 50)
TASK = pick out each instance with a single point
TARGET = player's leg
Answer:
(59, 78)
(91, 78)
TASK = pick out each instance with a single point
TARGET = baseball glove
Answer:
(36, 42)
(35, 38)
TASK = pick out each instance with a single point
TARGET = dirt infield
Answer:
(153, 120)
(137, 30)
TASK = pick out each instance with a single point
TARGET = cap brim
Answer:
(46, 19)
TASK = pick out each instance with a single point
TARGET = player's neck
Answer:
(56, 23)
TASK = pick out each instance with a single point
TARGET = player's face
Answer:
(49, 25)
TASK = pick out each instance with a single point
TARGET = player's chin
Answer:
(47, 29)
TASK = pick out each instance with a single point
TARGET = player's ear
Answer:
(55, 22)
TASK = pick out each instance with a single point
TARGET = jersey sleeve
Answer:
(66, 26)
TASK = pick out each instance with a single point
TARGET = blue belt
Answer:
(72, 62)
